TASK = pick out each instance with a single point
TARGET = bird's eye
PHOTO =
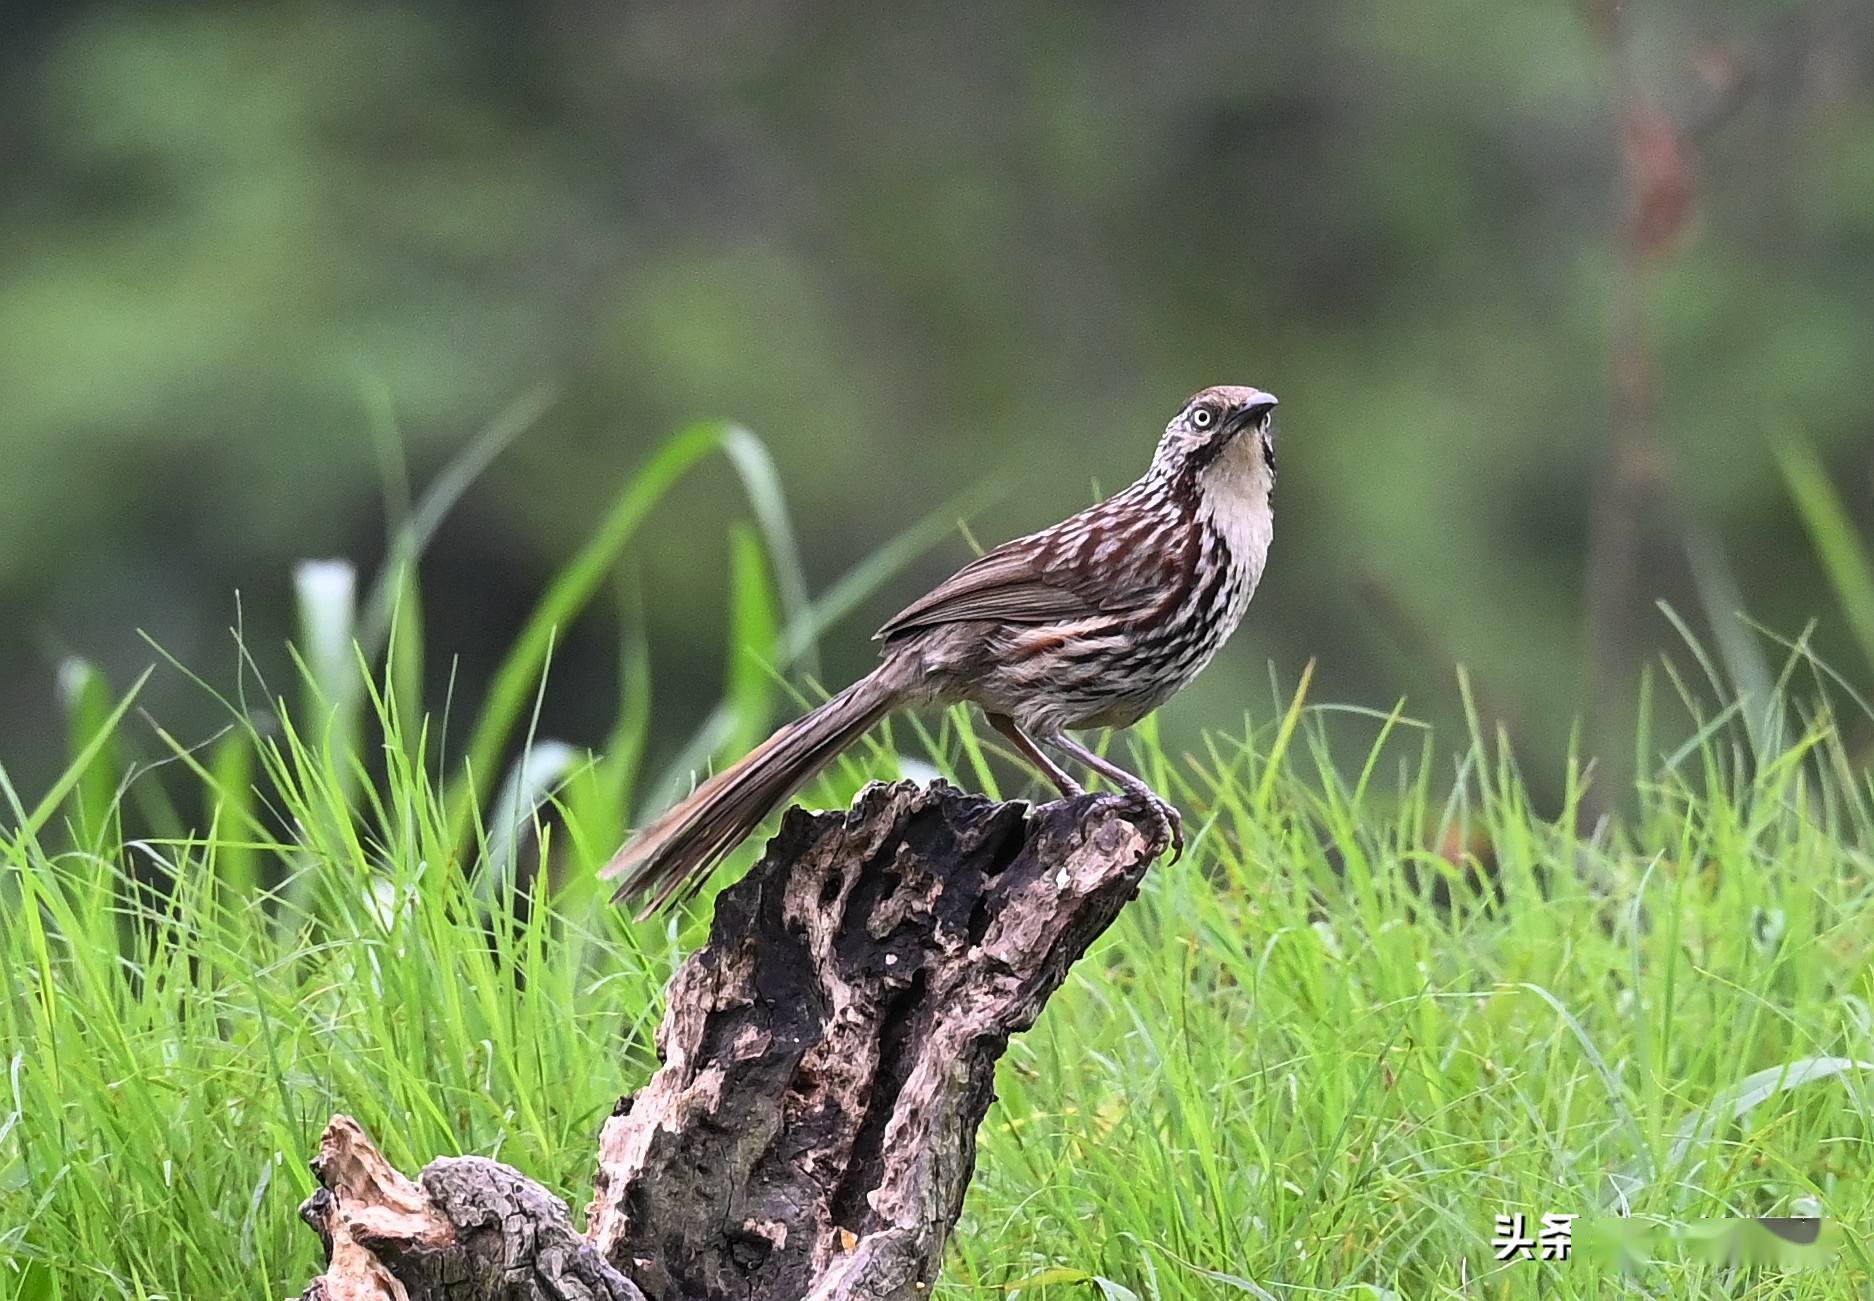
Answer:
(1203, 418)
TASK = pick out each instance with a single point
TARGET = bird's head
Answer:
(1226, 420)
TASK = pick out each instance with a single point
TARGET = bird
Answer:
(1092, 623)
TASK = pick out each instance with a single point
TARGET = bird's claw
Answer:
(1174, 826)
(1169, 823)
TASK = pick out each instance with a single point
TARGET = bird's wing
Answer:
(1004, 585)
(1087, 566)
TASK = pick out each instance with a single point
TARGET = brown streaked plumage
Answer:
(1094, 622)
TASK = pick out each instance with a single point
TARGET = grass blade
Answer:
(87, 699)
(1844, 556)
(741, 719)
(413, 535)
(32, 821)
(326, 593)
(1751, 1092)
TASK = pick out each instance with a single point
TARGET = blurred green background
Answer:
(918, 249)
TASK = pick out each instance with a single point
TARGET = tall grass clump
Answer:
(1376, 1005)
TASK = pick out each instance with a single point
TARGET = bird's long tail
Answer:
(675, 853)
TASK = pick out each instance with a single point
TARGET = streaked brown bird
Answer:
(1092, 623)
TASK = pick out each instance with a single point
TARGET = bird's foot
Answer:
(1168, 823)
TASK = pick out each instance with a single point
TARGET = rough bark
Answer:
(468, 1229)
(827, 1058)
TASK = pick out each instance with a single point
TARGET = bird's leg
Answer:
(1133, 786)
(1066, 785)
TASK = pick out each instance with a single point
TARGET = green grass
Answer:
(1287, 1068)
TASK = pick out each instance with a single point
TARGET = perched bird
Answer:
(1092, 623)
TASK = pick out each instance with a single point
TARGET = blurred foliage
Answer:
(914, 249)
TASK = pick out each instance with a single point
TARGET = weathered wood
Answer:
(468, 1229)
(827, 1058)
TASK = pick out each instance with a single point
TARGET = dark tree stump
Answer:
(828, 1057)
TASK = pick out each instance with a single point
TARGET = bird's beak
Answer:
(1254, 412)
